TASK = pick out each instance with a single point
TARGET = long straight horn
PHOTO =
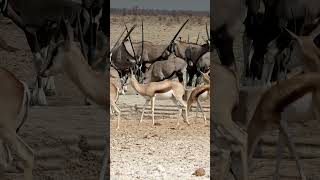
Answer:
(129, 32)
(142, 38)
(198, 38)
(117, 41)
(175, 36)
(208, 36)
(315, 32)
(134, 53)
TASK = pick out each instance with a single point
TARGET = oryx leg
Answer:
(190, 80)
(152, 108)
(199, 77)
(143, 109)
(185, 76)
(38, 96)
(49, 88)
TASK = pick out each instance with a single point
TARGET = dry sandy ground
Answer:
(67, 137)
(161, 152)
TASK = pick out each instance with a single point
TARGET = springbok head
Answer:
(303, 47)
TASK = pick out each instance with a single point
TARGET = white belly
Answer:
(204, 96)
(166, 95)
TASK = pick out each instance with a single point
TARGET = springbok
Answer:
(200, 93)
(15, 97)
(167, 89)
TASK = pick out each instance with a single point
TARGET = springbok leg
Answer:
(204, 116)
(284, 128)
(152, 108)
(280, 145)
(144, 107)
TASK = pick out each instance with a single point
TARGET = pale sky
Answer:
(195, 5)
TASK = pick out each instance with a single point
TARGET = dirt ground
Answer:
(164, 151)
(67, 137)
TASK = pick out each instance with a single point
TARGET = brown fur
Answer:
(196, 93)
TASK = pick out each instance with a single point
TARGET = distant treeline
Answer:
(156, 12)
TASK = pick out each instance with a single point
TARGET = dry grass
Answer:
(160, 29)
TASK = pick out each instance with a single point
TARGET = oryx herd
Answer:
(281, 55)
(153, 62)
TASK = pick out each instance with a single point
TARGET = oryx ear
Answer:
(128, 48)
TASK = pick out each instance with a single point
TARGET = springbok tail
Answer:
(24, 106)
